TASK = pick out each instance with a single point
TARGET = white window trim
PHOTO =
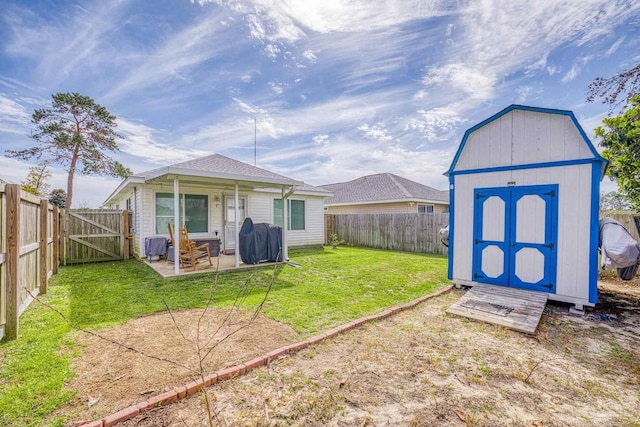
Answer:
(306, 214)
(426, 205)
(209, 231)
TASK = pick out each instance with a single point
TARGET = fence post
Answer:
(44, 237)
(124, 233)
(13, 258)
(56, 239)
(63, 236)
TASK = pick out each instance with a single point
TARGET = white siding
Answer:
(523, 137)
(216, 210)
(259, 209)
(314, 225)
(574, 207)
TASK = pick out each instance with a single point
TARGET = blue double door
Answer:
(515, 236)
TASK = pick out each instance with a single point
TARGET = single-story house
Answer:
(216, 193)
(384, 193)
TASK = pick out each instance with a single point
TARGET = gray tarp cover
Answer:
(260, 242)
(155, 245)
(619, 249)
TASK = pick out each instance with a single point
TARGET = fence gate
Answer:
(92, 235)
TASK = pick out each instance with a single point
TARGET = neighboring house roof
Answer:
(380, 188)
(218, 167)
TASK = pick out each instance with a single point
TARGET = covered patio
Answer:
(211, 197)
(220, 263)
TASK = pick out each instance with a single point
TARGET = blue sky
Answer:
(338, 89)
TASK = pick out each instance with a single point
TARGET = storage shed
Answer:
(524, 203)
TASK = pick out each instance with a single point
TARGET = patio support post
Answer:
(237, 229)
(176, 226)
(285, 222)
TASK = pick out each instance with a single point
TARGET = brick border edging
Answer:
(235, 371)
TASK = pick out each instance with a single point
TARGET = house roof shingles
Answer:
(383, 187)
(220, 164)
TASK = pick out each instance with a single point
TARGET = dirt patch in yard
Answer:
(424, 367)
(111, 377)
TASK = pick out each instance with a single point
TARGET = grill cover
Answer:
(260, 242)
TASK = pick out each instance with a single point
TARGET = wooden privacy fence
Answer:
(415, 232)
(93, 235)
(29, 252)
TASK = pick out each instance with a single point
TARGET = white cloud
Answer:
(310, 55)
(321, 139)
(277, 88)
(571, 74)
(65, 51)
(476, 83)
(139, 141)
(449, 30)
(495, 41)
(540, 64)
(552, 70)
(285, 19)
(174, 58)
(376, 131)
(614, 47)
(420, 95)
(14, 117)
(436, 124)
(523, 93)
(272, 50)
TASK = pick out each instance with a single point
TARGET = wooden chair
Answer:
(190, 253)
(171, 235)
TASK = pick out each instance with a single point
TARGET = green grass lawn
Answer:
(331, 288)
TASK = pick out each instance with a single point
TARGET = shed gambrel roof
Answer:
(383, 187)
(595, 155)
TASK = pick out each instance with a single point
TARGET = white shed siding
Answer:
(523, 137)
(574, 202)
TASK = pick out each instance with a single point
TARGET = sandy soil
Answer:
(110, 377)
(422, 367)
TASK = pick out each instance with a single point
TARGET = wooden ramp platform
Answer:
(514, 308)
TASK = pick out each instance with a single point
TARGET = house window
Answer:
(128, 204)
(295, 214)
(425, 208)
(194, 212)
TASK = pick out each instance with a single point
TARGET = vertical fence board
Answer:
(3, 265)
(44, 238)
(56, 240)
(12, 217)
